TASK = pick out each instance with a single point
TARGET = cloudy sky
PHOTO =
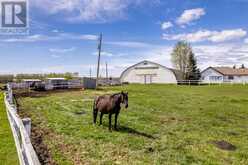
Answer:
(63, 34)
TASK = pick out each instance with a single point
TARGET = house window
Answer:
(215, 78)
(230, 78)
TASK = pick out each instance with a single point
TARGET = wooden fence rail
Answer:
(21, 132)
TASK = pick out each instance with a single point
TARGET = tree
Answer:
(192, 72)
(242, 66)
(184, 60)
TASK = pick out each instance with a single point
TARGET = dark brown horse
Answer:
(109, 104)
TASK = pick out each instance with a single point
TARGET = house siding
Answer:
(207, 77)
(209, 74)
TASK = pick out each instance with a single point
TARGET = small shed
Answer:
(56, 83)
(89, 83)
(30, 82)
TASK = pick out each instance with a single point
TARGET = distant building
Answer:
(224, 74)
(147, 72)
(30, 82)
(56, 83)
(112, 81)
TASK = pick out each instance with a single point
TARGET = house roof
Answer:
(228, 71)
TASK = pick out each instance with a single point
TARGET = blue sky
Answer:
(63, 34)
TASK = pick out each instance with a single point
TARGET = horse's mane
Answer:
(113, 95)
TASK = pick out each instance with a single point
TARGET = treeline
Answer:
(20, 77)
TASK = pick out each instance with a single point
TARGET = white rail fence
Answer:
(21, 129)
(200, 82)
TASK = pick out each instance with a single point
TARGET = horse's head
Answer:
(124, 99)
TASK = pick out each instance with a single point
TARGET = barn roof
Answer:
(178, 74)
(228, 71)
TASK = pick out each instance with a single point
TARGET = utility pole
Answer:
(99, 59)
(107, 73)
(90, 73)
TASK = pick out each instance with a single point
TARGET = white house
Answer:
(224, 74)
(147, 72)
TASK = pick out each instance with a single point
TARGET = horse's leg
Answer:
(101, 118)
(110, 118)
(95, 112)
(116, 118)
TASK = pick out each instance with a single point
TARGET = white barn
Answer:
(224, 74)
(147, 72)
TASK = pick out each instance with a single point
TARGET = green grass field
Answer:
(164, 124)
(8, 154)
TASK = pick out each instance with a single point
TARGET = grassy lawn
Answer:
(8, 154)
(164, 124)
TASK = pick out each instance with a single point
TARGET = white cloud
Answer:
(65, 50)
(88, 10)
(88, 37)
(54, 37)
(227, 35)
(32, 38)
(107, 54)
(246, 41)
(166, 25)
(55, 56)
(190, 15)
(130, 44)
(55, 31)
(206, 35)
(221, 55)
(207, 55)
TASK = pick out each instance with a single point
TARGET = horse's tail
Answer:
(95, 103)
(95, 110)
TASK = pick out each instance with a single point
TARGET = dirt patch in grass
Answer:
(36, 94)
(80, 113)
(224, 145)
(164, 120)
(37, 140)
(44, 152)
(40, 147)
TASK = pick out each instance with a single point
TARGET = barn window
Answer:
(145, 63)
(230, 77)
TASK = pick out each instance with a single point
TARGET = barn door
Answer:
(147, 79)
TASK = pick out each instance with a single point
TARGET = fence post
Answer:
(27, 124)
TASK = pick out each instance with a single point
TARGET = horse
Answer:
(109, 104)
